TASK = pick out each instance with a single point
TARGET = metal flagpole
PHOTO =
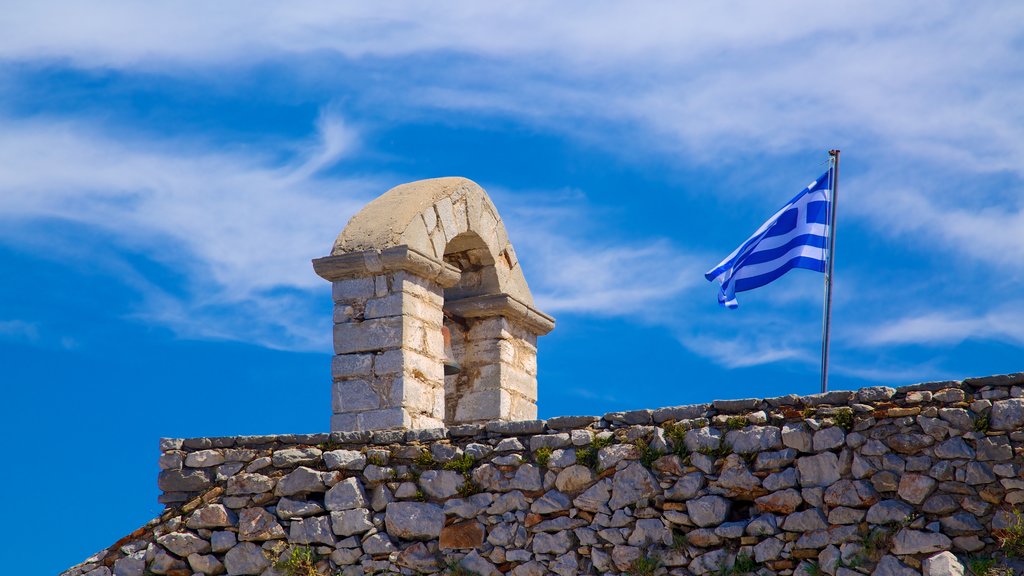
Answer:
(827, 317)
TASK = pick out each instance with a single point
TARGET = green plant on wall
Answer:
(300, 561)
(1011, 538)
(542, 455)
(644, 566)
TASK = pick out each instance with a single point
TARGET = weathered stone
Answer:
(736, 480)
(290, 457)
(805, 521)
(183, 543)
(302, 480)
(346, 495)
(129, 566)
(885, 481)
(206, 564)
(797, 437)
(344, 460)
(844, 515)
(854, 494)
(909, 443)
(258, 524)
(632, 484)
(780, 480)
(204, 459)
(558, 543)
(774, 460)
(418, 557)
(249, 484)
(909, 541)
(875, 394)
(574, 478)
(441, 484)
(978, 473)
(462, 535)
(527, 478)
(288, 508)
(357, 521)
(781, 502)
(414, 520)
(509, 502)
(708, 510)
(960, 524)
(940, 504)
(186, 480)
(828, 438)
(311, 531)
(703, 538)
(942, 564)
(624, 556)
(890, 566)
(889, 511)
(768, 549)
(470, 507)
(245, 559)
(609, 456)
(763, 525)
(650, 531)
(164, 563)
(686, 487)
(914, 488)
(754, 439)
(381, 545)
(736, 406)
(1007, 414)
(954, 448)
(551, 501)
(702, 439)
(222, 541)
(476, 564)
(994, 448)
(211, 516)
(818, 470)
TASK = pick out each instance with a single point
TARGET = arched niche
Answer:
(428, 254)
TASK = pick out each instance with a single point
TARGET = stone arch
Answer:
(427, 216)
(424, 255)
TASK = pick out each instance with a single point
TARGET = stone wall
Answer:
(878, 481)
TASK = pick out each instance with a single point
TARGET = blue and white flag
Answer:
(795, 237)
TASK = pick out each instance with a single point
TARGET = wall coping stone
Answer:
(691, 414)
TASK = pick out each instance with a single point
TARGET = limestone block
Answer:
(351, 365)
(354, 396)
(368, 336)
(386, 419)
(353, 289)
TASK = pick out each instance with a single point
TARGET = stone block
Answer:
(351, 365)
(389, 418)
(354, 396)
(368, 336)
(353, 289)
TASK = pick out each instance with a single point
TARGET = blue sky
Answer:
(167, 173)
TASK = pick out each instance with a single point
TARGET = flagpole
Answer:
(827, 317)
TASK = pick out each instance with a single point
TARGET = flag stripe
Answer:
(744, 284)
(794, 237)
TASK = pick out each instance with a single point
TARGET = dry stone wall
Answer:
(876, 481)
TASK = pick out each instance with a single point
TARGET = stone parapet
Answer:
(874, 481)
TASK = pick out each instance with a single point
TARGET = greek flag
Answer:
(795, 237)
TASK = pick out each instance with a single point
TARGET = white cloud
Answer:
(944, 328)
(241, 227)
(745, 351)
(19, 330)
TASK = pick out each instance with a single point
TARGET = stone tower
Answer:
(424, 255)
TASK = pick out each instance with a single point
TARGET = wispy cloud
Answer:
(949, 327)
(19, 330)
(240, 227)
